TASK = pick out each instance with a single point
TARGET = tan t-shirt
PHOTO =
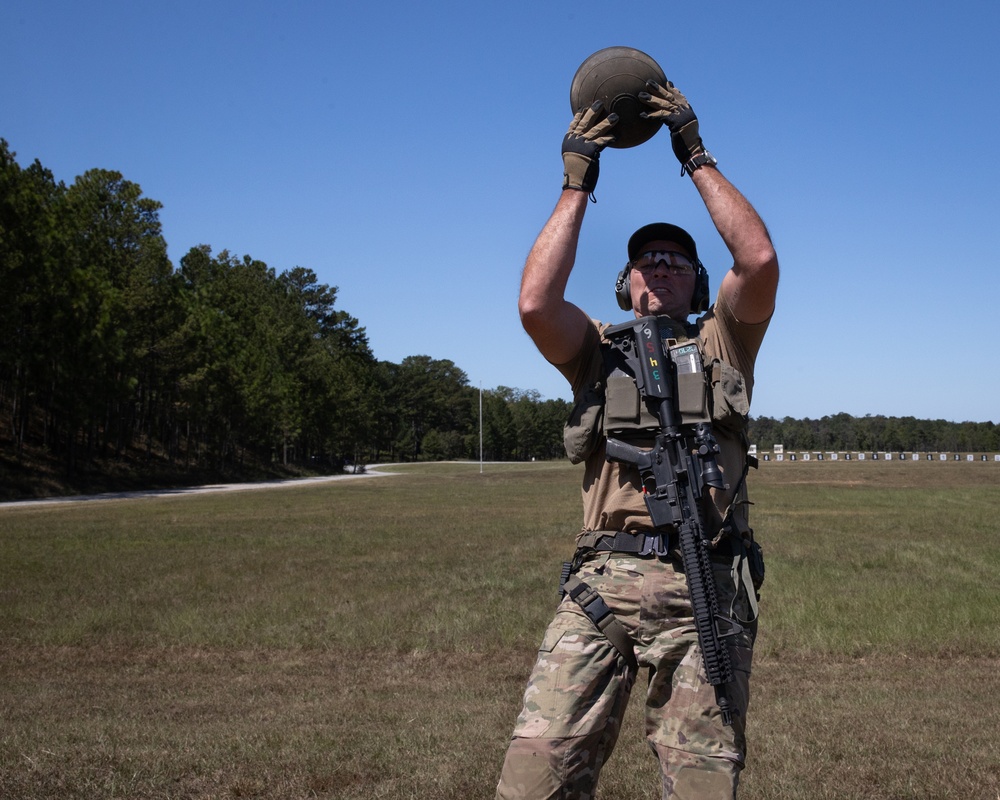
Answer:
(612, 492)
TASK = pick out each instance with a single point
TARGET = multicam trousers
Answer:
(579, 689)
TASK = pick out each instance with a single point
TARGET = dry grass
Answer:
(371, 639)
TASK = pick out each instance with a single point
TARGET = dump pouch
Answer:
(730, 400)
(755, 560)
(583, 429)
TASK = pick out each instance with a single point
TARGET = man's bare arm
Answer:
(556, 326)
(751, 285)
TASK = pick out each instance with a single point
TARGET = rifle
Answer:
(674, 473)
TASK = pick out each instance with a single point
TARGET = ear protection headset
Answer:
(699, 299)
(663, 231)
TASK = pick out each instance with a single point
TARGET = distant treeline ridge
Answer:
(874, 433)
(108, 351)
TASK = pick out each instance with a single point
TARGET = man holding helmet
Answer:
(629, 567)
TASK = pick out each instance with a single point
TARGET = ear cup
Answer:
(700, 299)
(623, 289)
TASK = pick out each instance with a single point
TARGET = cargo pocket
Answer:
(551, 639)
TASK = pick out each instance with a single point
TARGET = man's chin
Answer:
(662, 310)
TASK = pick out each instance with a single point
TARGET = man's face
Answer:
(662, 280)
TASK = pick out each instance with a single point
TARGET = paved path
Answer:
(371, 472)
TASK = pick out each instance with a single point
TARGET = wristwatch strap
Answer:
(700, 160)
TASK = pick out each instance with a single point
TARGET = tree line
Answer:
(107, 349)
(875, 433)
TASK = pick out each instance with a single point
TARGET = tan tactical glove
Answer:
(673, 108)
(588, 135)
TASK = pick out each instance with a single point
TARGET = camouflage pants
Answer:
(580, 686)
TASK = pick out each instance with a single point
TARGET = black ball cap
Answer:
(660, 231)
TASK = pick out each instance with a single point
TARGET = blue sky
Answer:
(409, 154)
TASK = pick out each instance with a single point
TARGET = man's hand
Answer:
(672, 107)
(588, 135)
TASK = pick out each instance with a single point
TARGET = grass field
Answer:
(371, 638)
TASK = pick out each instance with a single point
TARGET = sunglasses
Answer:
(676, 263)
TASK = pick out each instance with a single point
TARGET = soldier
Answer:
(580, 685)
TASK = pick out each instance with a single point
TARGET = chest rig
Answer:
(640, 374)
(707, 391)
(672, 395)
(649, 386)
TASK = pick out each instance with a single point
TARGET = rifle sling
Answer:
(741, 573)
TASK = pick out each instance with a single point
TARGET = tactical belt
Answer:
(640, 544)
(662, 545)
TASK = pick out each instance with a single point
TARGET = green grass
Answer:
(371, 638)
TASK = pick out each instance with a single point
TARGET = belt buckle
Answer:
(654, 545)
